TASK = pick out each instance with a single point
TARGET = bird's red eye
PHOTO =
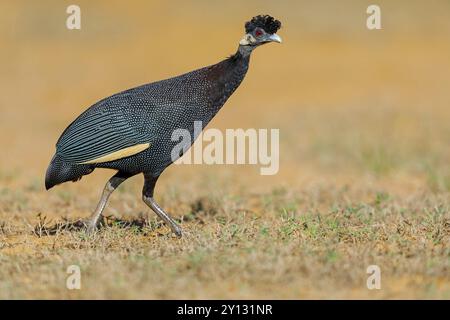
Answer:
(258, 32)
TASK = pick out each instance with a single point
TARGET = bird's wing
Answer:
(101, 134)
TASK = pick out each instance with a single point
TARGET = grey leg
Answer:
(110, 186)
(147, 196)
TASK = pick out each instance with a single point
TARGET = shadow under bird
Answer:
(131, 131)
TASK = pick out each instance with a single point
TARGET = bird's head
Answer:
(260, 30)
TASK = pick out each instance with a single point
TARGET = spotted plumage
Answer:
(131, 131)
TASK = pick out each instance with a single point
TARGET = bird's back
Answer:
(136, 115)
(148, 114)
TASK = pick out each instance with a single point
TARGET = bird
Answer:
(130, 131)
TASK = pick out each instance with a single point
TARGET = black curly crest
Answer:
(266, 22)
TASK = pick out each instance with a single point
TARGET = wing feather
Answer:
(99, 134)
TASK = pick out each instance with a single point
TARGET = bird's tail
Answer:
(60, 171)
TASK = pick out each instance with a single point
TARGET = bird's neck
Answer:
(227, 75)
(245, 51)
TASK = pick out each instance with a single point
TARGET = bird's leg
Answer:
(110, 186)
(147, 196)
(163, 215)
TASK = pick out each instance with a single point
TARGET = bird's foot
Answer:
(90, 227)
(176, 230)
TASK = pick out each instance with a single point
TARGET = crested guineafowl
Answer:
(131, 130)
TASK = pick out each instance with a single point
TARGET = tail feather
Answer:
(60, 171)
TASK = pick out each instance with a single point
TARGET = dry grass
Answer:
(364, 176)
(312, 244)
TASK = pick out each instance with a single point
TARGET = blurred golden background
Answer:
(345, 98)
(360, 112)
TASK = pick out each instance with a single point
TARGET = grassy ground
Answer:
(364, 144)
(313, 244)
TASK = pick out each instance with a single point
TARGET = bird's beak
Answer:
(274, 38)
